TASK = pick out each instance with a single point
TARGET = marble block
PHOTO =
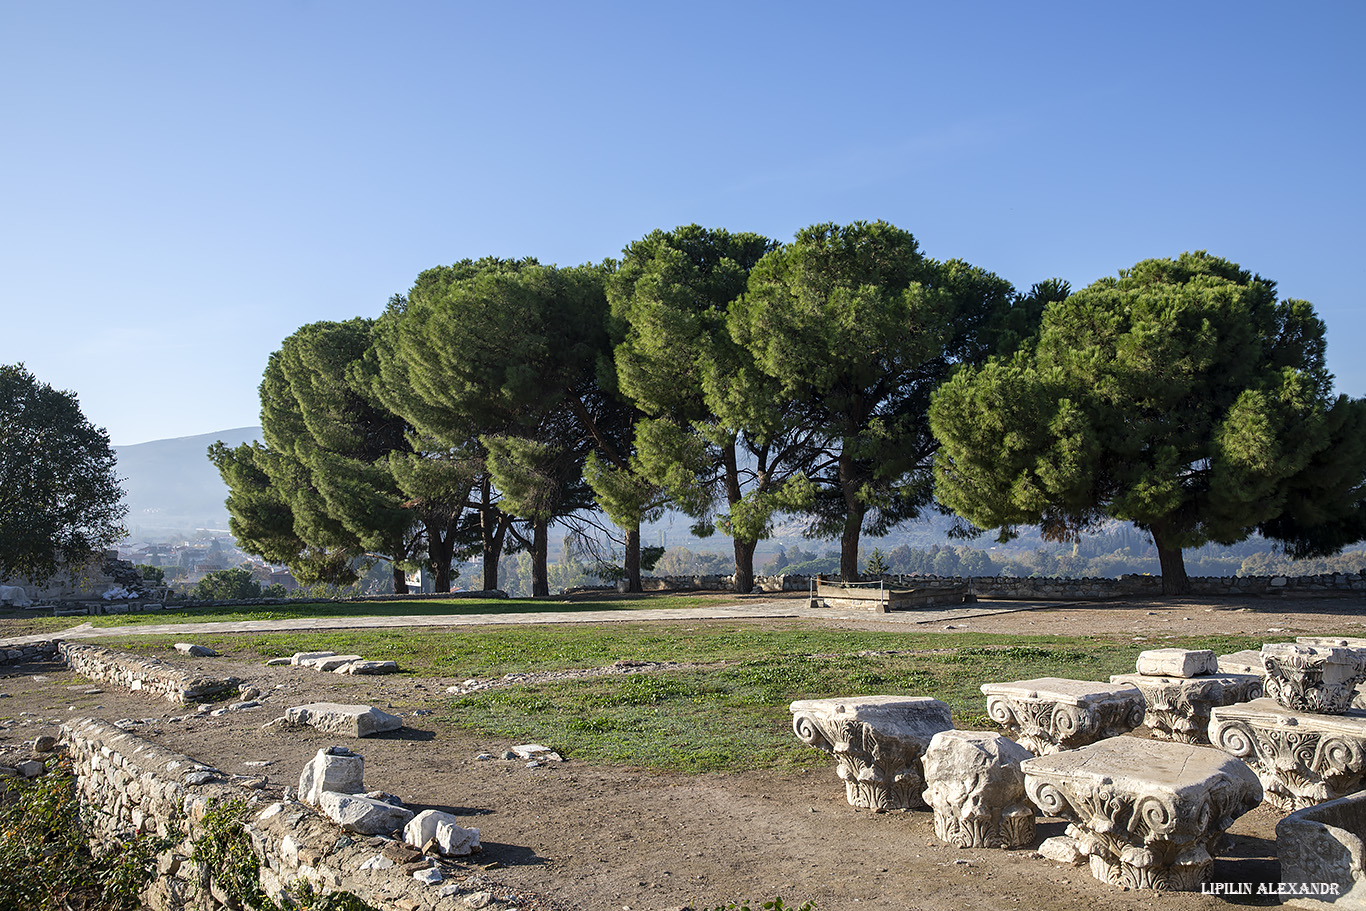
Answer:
(974, 785)
(1050, 714)
(1311, 678)
(1244, 662)
(1147, 814)
(1177, 662)
(1333, 641)
(1322, 848)
(1178, 707)
(1301, 758)
(877, 742)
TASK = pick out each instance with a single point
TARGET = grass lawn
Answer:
(729, 714)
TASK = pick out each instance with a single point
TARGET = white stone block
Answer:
(331, 771)
(1063, 850)
(1177, 662)
(332, 662)
(344, 720)
(442, 828)
(356, 813)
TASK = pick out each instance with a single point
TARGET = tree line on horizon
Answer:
(844, 377)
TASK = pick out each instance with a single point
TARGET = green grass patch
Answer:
(729, 714)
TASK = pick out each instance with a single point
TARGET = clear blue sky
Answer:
(185, 184)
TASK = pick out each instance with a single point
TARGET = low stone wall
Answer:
(29, 652)
(146, 674)
(1012, 588)
(129, 784)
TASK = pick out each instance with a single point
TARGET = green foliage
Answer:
(712, 431)
(228, 585)
(1181, 396)
(60, 500)
(223, 851)
(46, 863)
(877, 563)
(153, 574)
(855, 325)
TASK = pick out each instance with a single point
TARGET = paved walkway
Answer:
(749, 610)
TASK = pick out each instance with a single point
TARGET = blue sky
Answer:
(188, 183)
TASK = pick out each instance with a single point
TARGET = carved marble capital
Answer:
(1051, 714)
(1178, 708)
(878, 743)
(1311, 678)
(1147, 814)
(974, 785)
(1301, 758)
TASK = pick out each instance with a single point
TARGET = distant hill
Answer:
(171, 486)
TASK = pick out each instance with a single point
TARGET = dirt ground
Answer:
(578, 836)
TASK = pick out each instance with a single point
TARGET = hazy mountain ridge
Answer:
(170, 485)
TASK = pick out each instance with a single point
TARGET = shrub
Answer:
(46, 863)
(228, 585)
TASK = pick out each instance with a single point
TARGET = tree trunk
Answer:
(440, 548)
(744, 565)
(633, 559)
(1173, 563)
(400, 580)
(540, 544)
(853, 517)
(493, 529)
(853, 524)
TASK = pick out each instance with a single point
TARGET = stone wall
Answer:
(130, 784)
(143, 674)
(29, 652)
(1011, 588)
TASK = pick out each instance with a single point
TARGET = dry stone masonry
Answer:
(149, 675)
(129, 784)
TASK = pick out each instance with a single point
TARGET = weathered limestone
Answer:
(127, 784)
(1050, 714)
(1178, 707)
(877, 742)
(1353, 642)
(358, 813)
(301, 657)
(1309, 678)
(331, 662)
(333, 769)
(442, 832)
(144, 674)
(1148, 815)
(1244, 662)
(1325, 845)
(343, 720)
(974, 785)
(1301, 758)
(1177, 662)
(195, 651)
(368, 667)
